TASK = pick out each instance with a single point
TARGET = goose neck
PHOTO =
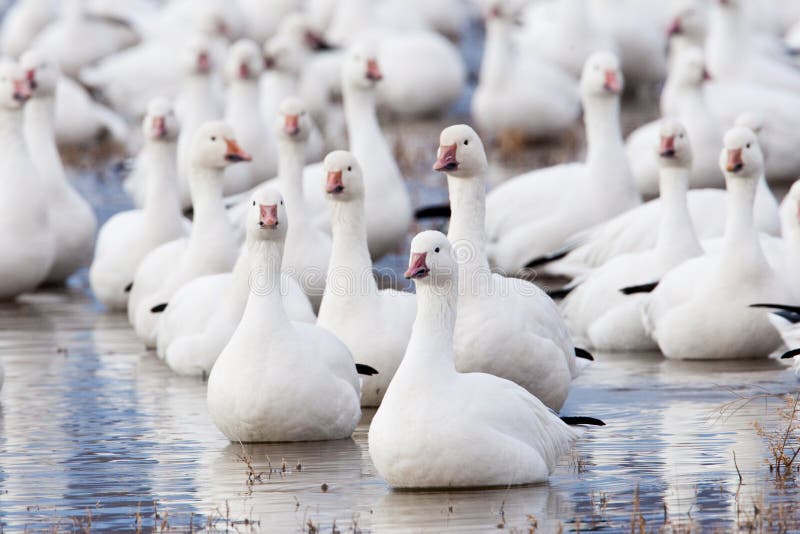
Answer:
(497, 54)
(603, 133)
(264, 309)
(40, 136)
(676, 230)
(243, 91)
(430, 352)
(350, 261)
(741, 236)
(291, 160)
(361, 116)
(467, 223)
(207, 199)
(162, 191)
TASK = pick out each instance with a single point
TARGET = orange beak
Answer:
(446, 159)
(667, 147)
(22, 90)
(159, 127)
(333, 183)
(373, 71)
(735, 163)
(291, 124)
(612, 82)
(235, 153)
(268, 216)
(417, 268)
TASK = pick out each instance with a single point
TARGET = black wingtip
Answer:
(790, 354)
(547, 258)
(785, 307)
(583, 353)
(364, 369)
(572, 421)
(643, 288)
(129, 287)
(560, 293)
(158, 309)
(433, 212)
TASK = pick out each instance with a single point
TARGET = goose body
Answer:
(75, 232)
(127, 237)
(211, 247)
(81, 120)
(22, 22)
(451, 428)
(27, 246)
(700, 309)
(540, 210)
(373, 323)
(249, 398)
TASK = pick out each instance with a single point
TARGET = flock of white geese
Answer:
(269, 292)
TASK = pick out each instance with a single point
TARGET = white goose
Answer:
(22, 21)
(129, 236)
(250, 398)
(506, 326)
(518, 92)
(204, 313)
(243, 69)
(431, 423)
(211, 248)
(81, 120)
(75, 231)
(596, 310)
(700, 309)
(536, 212)
(373, 323)
(27, 246)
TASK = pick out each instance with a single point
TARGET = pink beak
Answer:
(291, 124)
(203, 62)
(417, 268)
(735, 162)
(446, 158)
(612, 82)
(268, 216)
(373, 71)
(159, 127)
(333, 184)
(667, 147)
(675, 27)
(22, 90)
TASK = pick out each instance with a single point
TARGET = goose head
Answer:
(302, 31)
(432, 262)
(160, 123)
(197, 56)
(741, 155)
(266, 216)
(344, 181)
(293, 122)
(688, 21)
(244, 61)
(505, 12)
(215, 147)
(360, 68)
(42, 73)
(690, 69)
(461, 153)
(15, 89)
(755, 122)
(674, 149)
(602, 75)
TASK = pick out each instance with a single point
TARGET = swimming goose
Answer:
(211, 248)
(251, 394)
(75, 232)
(596, 310)
(243, 69)
(434, 420)
(127, 237)
(536, 212)
(27, 246)
(506, 326)
(519, 92)
(203, 314)
(22, 22)
(373, 323)
(700, 309)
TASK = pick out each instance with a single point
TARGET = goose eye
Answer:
(466, 141)
(213, 138)
(436, 250)
(349, 169)
(748, 145)
(254, 203)
(681, 136)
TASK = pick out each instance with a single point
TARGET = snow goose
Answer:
(249, 396)
(27, 245)
(506, 326)
(308, 249)
(75, 232)
(700, 309)
(373, 323)
(596, 310)
(22, 22)
(517, 92)
(431, 423)
(243, 69)
(211, 248)
(536, 212)
(196, 105)
(127, 237)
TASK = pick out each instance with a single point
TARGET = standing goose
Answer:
(536, 212)
(373, 323)
(506, 326)
(75, 232)
(700, 310)
(211, 248)
(252, 396)
(128, 237)
(436, 427)
(27, 246)
(596, 310)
